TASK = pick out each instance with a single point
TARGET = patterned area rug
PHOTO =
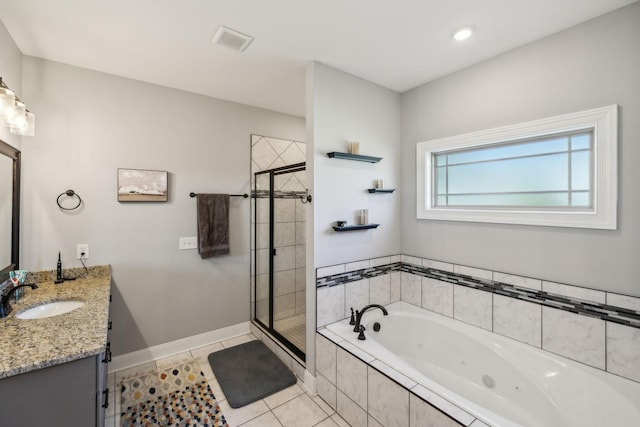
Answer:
(178, 396)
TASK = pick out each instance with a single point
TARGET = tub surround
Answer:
(366, 391)
(362, 380)
(574, 299)
(29, 345)
(600, 329)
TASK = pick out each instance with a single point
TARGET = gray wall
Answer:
(88, 125)
(341, 108)
(591, 65)
(347, 108)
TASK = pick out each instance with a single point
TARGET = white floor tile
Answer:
(266, 420)
(327, 422)
(323, 405)
(292, 406)
(339, 421)
(283, 396)
(205, 367)
(239, 416)
(217, 390)
(299, 412)
(374, 423)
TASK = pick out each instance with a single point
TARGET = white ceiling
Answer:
(398, 44)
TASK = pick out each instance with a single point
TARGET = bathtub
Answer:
(500, 381)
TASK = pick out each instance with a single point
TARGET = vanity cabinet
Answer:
(102, 399)
(70, 394)
(62, 395)
(53, 369)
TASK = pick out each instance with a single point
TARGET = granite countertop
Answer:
(28, 345)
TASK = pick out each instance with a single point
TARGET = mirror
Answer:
(9, 209)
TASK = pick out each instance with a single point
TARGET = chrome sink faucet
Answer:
(356, 328)
(5, 307)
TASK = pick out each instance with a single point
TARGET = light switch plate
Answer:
(188, 243)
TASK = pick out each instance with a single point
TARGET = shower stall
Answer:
(278, 251)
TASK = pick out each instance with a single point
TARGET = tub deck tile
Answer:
(423, 414)
(330, 335)
(365, 357)
(445, 406)
(393, 374)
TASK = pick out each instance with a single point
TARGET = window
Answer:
(559, 171)
(508, 174)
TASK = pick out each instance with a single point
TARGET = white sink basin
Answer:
(54, 308)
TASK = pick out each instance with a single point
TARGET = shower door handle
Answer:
(275, 252)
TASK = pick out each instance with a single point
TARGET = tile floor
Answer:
(290, 407)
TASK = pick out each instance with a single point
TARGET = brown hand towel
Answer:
(213, 225)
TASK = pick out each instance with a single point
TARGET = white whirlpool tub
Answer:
(500, 381)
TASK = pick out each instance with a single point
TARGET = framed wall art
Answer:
(140, 185)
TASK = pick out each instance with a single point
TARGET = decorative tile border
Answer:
(353, 276)
(611, 313)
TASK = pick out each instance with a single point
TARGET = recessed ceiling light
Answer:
(463, 33)
(232, 39)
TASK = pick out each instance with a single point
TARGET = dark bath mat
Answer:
(249, 372)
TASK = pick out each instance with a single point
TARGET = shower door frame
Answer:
(297, 167)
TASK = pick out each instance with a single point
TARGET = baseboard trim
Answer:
(150, 354)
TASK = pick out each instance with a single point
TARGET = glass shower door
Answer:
(280, 254)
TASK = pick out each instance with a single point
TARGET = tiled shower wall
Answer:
(289, 229)
(289, 263)
(600, 329)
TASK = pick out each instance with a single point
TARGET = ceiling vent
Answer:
(232, 39)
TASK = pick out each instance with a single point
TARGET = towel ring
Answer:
(69, 193)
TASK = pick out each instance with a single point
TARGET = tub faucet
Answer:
(356, 328)
(5, 307)
(361, 336)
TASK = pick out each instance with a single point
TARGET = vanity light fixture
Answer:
(14, 114)
(463, 33)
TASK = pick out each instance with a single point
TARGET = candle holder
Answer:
(354, 147)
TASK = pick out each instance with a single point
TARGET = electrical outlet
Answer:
(188, 243)
(82, 251)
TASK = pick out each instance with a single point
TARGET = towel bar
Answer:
(245, 195)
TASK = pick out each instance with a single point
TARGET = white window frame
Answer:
(602, 215)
